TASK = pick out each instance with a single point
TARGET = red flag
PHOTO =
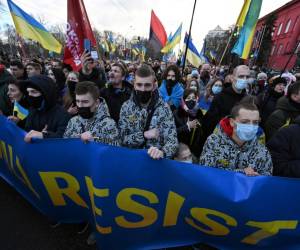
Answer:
(78, 29)
(158, 35)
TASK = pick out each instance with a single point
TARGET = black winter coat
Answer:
(186, 136)
(97, 76)
(285, 151)
(267, 103)
(220, 107)
(51, 115)
(115, 98)
(284, 114)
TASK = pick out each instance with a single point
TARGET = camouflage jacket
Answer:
(133, 120)
(101, 126)
(222, 152)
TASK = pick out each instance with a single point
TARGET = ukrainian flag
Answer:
(28, 27)
(243, 44)
(173, 41)
(20, 111)
(193, 55)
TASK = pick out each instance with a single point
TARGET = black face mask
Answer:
(143, 96)
(35, 102)
(190, 104)
(171, 83)
(85, 112)
(71, 86)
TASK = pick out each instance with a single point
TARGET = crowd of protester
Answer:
(243, 119)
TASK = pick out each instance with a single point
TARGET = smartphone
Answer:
(94, 54)
(87, 44)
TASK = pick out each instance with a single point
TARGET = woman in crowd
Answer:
(188, 118)
(69, 100)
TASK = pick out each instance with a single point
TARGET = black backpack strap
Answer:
(148, 121)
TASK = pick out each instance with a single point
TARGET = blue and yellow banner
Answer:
(134, 202)
(28, 27)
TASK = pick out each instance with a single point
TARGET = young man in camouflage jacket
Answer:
(235, 146)
(93, 122)
(146, 121)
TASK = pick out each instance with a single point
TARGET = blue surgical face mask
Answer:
(216, 89)
(241, 84)
(246, 132)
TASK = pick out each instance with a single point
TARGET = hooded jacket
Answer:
(100, 125)
(285, 150)
(51, 115)
(284, 114)
(220, 107)
(133, 120)
(221, 151)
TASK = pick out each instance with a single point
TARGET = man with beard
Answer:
(145, 120)
(117, 90)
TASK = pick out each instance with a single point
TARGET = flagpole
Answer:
(227, 45)
(292, 54)
(188, 38)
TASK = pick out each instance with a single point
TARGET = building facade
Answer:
(285, 35)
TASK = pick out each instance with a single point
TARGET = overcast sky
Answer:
(132, 17)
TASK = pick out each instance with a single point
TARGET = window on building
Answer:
(279, 29)
(279, 49)
(273, 50)
(288, 25)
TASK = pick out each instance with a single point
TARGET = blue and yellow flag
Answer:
(28, 27)
(20, 111)
(193, 55)
(243, 45)
(173, 41)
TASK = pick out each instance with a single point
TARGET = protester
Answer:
(89, 71)
(17, 69)
(268, 99)
(145, 120)
(46, 118)
(33, 69)
(205, 75)
(5, 78)
(213, 88)
(224, 102)
(183, 154)
(93, 122)
(285, 151)
(69, 100)
(17, 96)
(235, 146)
(171, 89)
(188, 119)
(287, 109)
(117, 90)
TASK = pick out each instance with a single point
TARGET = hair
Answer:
(35, 65)
(237, 67)
(294, 88)
(59, 77)
(210, 85)
(144, 71)
(187, 92)
(21, 85)
(181, 147)
(17, 63)
(246, 104)
(121, 66)
(176, 70)
(67, 66)
(83, 88)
